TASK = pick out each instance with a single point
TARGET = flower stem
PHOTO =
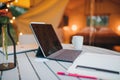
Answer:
(5, 40)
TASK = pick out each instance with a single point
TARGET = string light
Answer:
(65, 28)
(6, 10)
(8, 5)
(74, 27)
(11, 21)
(13, 18)
(118, 28)
(20, 33)
(16, 1)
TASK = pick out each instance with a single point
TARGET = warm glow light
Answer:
(74, 27)
(16, 1)
(20, 33)
(6, 10)
(11, 21)
(8, 5)
(11, 3)
(18, 43)
(13, 18)
(118, 28)
(65, 28)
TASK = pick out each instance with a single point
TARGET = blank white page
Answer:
(97, 60)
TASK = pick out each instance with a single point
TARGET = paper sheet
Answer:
(97, 60)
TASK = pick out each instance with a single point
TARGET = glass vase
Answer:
(5, 45)
(5, 33)
(5, 64)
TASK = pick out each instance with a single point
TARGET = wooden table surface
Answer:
(30, 67)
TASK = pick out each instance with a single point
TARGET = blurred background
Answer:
(97, 20)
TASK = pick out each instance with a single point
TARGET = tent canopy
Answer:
(48, 11)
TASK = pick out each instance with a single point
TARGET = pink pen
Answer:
(77, 75)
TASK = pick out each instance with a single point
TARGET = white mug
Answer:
(77, 42)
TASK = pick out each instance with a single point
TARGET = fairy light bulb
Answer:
(13, 18)
(74, 27)
(16, 1)
(118, 28)
(20, 33)
(65, 28)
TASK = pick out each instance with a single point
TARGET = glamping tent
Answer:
(42, 11)
(48, 11)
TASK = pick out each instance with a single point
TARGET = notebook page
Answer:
(97, 60)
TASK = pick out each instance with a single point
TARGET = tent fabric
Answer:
(48, 11)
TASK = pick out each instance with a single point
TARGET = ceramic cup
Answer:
(77, 42)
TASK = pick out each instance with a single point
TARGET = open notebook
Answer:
(103, 66)
(49, 44)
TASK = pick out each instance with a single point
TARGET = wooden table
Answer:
(31, 68)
